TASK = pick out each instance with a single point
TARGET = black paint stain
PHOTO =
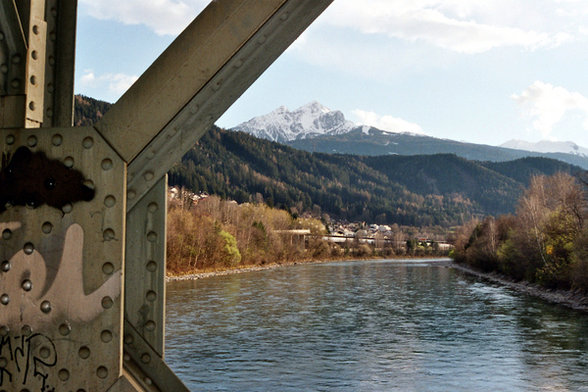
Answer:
(31, 179)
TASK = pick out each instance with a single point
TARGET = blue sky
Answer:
(477, 71)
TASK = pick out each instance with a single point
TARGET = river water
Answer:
(387, 325)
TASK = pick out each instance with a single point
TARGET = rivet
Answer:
(4, 330)
(26, 330)
(261, 39)
(34, 55)
(88, 142)
(152, 236)
(238, 63)
(35, 29)
(32, 105)
(147, 381)
(15, 83)
(16, 59)
(53, 12)
(67, 208)
(107, 164)
(150, 325)
(57, 139)
(108, 235)
(108, 268)
(194, 109)
(50, 87)
(64, 329)
(4, 299)
(49, 112)
(46, 306)
(44, 352)
(51, 60)
(68, 162)
(106, 336)
(47, 227)
(145, 358)
(129, 339)
(4, 68)
(27, 285)
(89, 184)
(33, 79)
(148, 176)
(63, 374)
(6, 234)
(131, 194)
(151, 266)
(9, 139)
(107, 302)
(28, 248)
(284, 16)
(109, 201)
(126, 357)
(152, 207)
(32, 141)
(151, 296)
(172, 132)
(84, 352)
(52, 36)
(5, 266)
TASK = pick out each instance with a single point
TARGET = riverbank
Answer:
(574, 300)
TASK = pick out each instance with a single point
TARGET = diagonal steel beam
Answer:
(196, 79)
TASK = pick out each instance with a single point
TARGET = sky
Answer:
(477, 71)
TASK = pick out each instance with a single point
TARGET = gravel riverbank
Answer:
(570, 299)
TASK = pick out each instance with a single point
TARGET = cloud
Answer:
(386, 122)
(115, 83)
(548, 105)
(164, 17)
(455, 25)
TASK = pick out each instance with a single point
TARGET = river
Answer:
(385, 325)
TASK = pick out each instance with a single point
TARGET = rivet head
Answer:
(152, 207)
(4, 330)
(10, 139)
(131, 194)
(6, 234)
(15, 83)
(109, 201)
(88, 142)
(5, 266)
(26, 330)
(45, 352)
(150, 325)
(28, 248)
(145, 358)
(151, 266)
(108, 235)
(151, 296)
(27, 285)
(64, 329)
(32, 105)
(63, 374)
(152, 236)
(56, 140)
(84, 352)
(147, 381)
(68, 162)
(4, 299)
(108, 268)
(46, 306)
(67, 208)
(33, 80)
(34, 55)
(129, 339)
(106, 336)
(49, 183)
(107, 164)
(107, 302)
(47, 227)
(148, 176)
(16, 58)
(35, 29)
(32, 141)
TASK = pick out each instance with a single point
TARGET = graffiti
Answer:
(26, 357)
(31, 179)
(37, 301)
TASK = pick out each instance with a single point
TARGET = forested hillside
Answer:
(437, 189)
(420, 190)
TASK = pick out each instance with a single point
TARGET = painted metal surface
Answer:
(83, 210)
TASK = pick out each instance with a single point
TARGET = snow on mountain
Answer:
(307, 121)
(546, 146)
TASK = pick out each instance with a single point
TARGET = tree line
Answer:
(545, 242)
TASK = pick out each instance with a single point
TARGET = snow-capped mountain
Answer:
(547, 146)
(307, 121)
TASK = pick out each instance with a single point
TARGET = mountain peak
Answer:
(547, 146)
(310, 120)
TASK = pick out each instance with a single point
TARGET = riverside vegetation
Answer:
(545, 242)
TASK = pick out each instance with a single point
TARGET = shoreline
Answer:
(565, 298)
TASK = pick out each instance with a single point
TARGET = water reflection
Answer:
(370, 326)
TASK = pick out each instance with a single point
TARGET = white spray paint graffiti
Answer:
(22, 283)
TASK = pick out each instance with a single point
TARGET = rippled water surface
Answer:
(370, 326)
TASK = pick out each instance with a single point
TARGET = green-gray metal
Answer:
(82, 210)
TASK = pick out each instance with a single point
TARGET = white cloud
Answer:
(115, 83)
(456, 25)
(548, 105)
(164, 17)
(386, 122)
